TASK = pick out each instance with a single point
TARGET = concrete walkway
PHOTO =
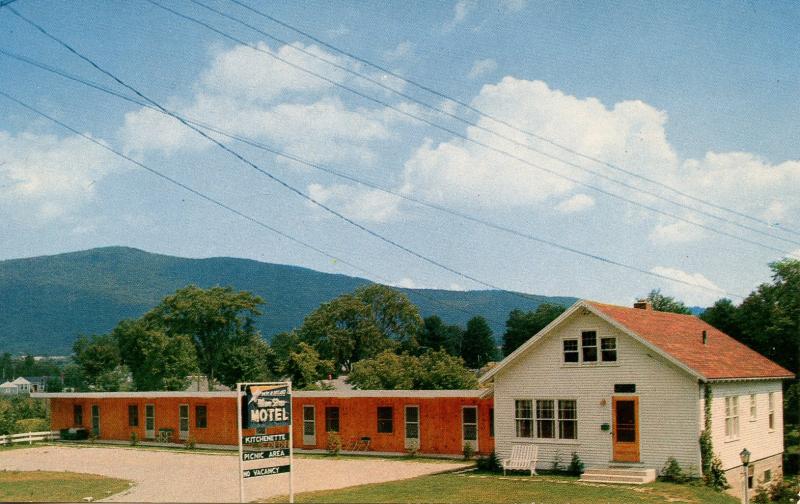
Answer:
(170, 476)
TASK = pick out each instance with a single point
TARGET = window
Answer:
(731, 418)
(545, 419)
(201, 416)
(571, 350)
(608, 349)
(771, 410)
(589, 346)
(385, 420)
(77, 414)
(469, 424)
(753, 407)
(567, 419)
(751, 471)
(767, 475)
(332, 419)
(523, 414)
(133, 415)
(491, 422)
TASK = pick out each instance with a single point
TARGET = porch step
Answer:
(629, 476)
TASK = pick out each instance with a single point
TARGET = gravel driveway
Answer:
(169, 476)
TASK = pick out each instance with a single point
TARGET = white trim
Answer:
(421, 394)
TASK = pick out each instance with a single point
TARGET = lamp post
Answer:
(745, 456)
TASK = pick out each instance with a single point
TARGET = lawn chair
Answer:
(523, 458)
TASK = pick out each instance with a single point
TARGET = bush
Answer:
(761, 496)
(31, 425)
(469, 450)
(575, 465)
(413, 450)
(491, 463)
(673, 472)
(716, 475)
(134, 438)
(784, 491)
(334, 443)
(190, 443)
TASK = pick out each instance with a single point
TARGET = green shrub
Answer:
(31, 425)
(134, 438)
(413, 450)
(673, 472)
(784, 491)
(575, 465)
(716, 475)
(469, 451)
(190, 443)
(761, 496)
(334, 443)
(491, 463)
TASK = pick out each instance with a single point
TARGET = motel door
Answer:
(183, 421)
(96, 420)
(625, 411)
(150, 421)
(412, 427)
(309, 426)
(469, 426)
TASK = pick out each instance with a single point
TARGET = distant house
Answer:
(625, 386)
(23, 385)
(8, 388)
(38, 383)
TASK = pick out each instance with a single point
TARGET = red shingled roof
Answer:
(681, 336)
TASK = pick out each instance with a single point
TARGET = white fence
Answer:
(28, 437)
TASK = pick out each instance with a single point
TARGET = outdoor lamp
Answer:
(745, 456)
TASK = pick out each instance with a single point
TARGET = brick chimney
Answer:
(643, 304)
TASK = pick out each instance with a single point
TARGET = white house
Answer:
(625, 386)
(8, 388)
(23, 385)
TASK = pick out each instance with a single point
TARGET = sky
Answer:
(594, 102)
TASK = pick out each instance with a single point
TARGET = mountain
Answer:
(46, 302)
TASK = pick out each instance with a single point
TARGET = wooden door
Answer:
(625, 412)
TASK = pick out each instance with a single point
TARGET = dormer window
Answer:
(589, 344)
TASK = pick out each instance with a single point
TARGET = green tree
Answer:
(397, 318)
(250, 361)
(724, 315)
(434, 370)
(434, 334)
(663, 303)
(100, 362)
(521, 325)
(156, 361)
(454, 338)
(215, 319)
(442, 371)
(478, 346)
(305, 367)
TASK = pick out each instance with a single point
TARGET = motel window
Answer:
(332, 419)
(545, 419)
(608, 349)
(571, 350)
(385, 420)
(201, 416)
(567, 419)
(77, 414)
(491, 422)
(133, 415)
(589, 346)
(523, 415)
(753, 407)
(731, 418)
(771, 399)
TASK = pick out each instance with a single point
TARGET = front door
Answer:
(309, 426)
(183, 422)
(626, 429)
(469, 427)
(150, 421)
(412, 428)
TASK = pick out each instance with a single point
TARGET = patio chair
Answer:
(523, 458)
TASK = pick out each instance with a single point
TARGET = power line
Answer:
(498, 120)
(336, 173)
(474, 141)
(228, 208)
(524, 145)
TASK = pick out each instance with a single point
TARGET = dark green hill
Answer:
(46, 302)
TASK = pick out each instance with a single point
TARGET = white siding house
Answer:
(625, 386)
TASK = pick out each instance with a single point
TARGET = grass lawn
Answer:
(44, 486)
(479, 488)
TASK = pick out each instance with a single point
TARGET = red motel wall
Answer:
(440, 420)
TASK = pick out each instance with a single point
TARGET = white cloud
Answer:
(676, 232)
(482, 67)
(577, 203)
(360, 204)
(46, 177)
(704, 294)
(795, 254)
(513, 5)
(460, 11)
(406, 283)
(402, 50)
(339, 31)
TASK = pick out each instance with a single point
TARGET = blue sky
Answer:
(704, 98)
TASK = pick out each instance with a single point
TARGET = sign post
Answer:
(266, 405)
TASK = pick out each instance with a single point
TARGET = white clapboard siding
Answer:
(669, 405)
(753, 435)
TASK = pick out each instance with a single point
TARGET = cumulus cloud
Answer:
(360, 204)
(47, 177)
(482, 67)
(460, 11)
(577, 203)
(675, 233)
(406, 283)
(704, 294)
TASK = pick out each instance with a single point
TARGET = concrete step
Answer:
(612, 478)
(629, 476)
(618, 471)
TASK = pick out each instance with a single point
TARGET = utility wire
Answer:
(472, 140)
(498, 120)
(478, 126)
(230, 209)
(420, 202)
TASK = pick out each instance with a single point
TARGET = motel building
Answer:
(624, 388)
